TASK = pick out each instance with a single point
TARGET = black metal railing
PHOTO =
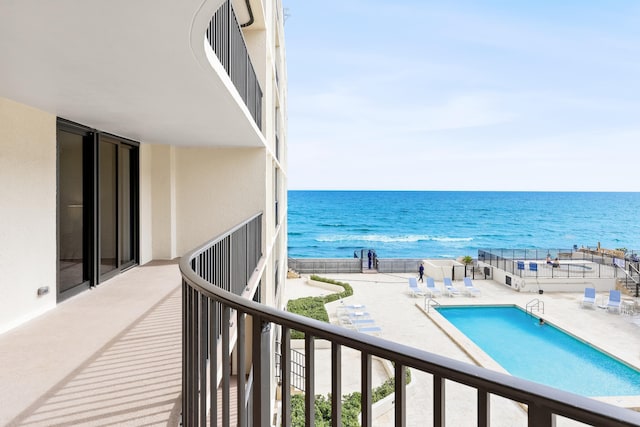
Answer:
(225, 264)
(550, 263)
(202, 373)
(226, 40)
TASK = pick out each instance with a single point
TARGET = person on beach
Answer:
(548, 259)
(421, 272)
(556, 263)
(355, 254)
(370, 256)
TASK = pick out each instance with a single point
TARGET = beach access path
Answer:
(402, 320)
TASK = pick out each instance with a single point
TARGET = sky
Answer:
(463, 95)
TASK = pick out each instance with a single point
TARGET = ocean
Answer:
(450, 224)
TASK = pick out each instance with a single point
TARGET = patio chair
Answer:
(589, 298)
(469, 288)
(614, 301)
(449, 288)
(414, 289)
(432, 291)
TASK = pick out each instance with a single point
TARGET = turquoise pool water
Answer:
(543, 353)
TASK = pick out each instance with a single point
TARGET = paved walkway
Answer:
(109, 356)
(402, 320)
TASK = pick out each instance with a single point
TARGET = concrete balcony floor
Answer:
(109, 356)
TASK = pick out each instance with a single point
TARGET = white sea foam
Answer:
(389, 239)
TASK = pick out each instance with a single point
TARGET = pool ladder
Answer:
(535, 304)
(428, 302)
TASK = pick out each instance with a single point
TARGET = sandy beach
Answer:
(402, 319)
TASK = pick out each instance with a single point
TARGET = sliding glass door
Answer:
(74, 209)
(97, 207)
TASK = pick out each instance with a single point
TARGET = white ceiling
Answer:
(135, 68)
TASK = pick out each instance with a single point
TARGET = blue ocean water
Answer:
(450, 224)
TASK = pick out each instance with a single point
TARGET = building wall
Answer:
(217, 188)
(27, 212)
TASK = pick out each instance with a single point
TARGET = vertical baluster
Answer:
(213, 362)
(242, 410)
(540, 416)
(400, 395)
(336, 385)
(226, 367)
(202, 358)
(484, 408)
(285, 376)
(309, 396)
(186, 356)
(261, 342)
(365, 388)
(438, 401)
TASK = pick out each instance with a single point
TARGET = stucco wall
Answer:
(216, 188)
(27, 212)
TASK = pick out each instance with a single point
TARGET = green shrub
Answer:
(313, 307)
(351, 407)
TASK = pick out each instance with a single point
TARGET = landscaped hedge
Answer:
(348, 290)
(313, 307)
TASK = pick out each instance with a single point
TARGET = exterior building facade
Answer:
(132, 132)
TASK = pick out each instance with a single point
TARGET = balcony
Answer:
(134, 69)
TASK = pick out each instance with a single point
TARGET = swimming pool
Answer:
(543, 353)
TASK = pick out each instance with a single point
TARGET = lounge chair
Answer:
(589, 298)
(414, 289)
(349, 308)
(371, 330)
(614, 301)
(449, 288)
(469, 288)
(352, 323)
(431, 288)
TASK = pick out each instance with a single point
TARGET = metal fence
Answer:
(352, 265)
(552, 263)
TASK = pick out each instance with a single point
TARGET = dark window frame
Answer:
(91, 213)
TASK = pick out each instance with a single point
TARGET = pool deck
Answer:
(403, 319)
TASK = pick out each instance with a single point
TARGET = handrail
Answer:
(428, 302)
(629, 276)
(200, 345)
(534, 303)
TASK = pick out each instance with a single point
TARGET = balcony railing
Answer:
(213, 318)
(226, 40)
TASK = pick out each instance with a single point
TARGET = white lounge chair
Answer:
(589, 298)
(614, 301)
(432, 291)
(371, 330)
(449, 288)
(469, 288)
(414, 289)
